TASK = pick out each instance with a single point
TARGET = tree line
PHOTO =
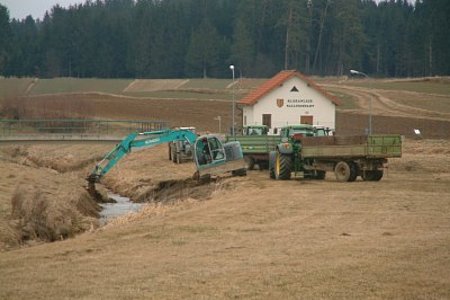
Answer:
(201, 38)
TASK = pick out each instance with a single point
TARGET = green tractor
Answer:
(287, 159)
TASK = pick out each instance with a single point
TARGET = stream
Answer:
(122, 206)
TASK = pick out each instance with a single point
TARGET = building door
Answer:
(267, 120)
(306, 120)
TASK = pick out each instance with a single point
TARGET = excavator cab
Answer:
(212, 157)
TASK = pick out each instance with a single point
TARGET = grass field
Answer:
(75, 85)
(14, 87)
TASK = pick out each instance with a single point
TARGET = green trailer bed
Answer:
(257, 144)
(374, 146)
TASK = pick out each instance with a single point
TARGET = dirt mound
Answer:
(175, 190)
(45, 216)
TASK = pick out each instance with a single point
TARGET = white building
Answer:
(289, 98)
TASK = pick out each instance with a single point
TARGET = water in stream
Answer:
(122, 206)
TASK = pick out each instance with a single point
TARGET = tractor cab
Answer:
(255, 130)
(322, 131)
(304, 130)
(212, 157)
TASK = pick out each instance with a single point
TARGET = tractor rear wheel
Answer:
(283, 166)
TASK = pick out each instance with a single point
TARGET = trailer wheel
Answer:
(353, 171)
(272, 161)
(250, 162)
(283, 166)
(342, 171)
(378, 174)
(263, 165)
(372, 175)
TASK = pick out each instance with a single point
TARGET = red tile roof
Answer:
(276, 81)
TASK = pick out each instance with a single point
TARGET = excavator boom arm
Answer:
(132, 141)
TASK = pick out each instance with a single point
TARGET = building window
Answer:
(245, 120)
(306, 120)
(267, 120)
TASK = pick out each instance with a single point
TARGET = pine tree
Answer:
(5, 38)
(242, 50)
(203, 52)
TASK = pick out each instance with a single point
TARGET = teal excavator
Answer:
(210, 155)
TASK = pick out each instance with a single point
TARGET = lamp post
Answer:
(233, 104)
(219, 119)
(358, 73)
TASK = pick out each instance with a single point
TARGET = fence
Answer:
(75, 127)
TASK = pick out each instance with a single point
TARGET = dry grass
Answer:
(45, 217)
(42, 194)
(248, 237)
(258, 238)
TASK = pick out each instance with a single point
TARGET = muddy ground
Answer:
(245, 237)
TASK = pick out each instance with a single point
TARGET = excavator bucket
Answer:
(92, 179)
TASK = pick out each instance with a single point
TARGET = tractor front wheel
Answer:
(272, 163)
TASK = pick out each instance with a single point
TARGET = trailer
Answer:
(347, 156)
(256, 147)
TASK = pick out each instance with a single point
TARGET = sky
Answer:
(20, 9)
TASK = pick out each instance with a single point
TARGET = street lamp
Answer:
(219, 119)
(233, 104)
(358, 73)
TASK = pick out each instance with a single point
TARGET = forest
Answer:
(201, 38)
